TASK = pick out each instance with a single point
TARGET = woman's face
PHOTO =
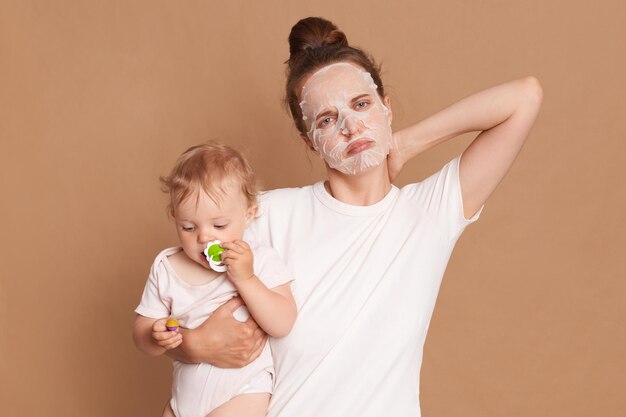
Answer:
(347, 122)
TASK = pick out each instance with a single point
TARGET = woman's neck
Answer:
(364, 189)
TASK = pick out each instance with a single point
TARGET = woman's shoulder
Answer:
(280, 195)
(439, 196)
(446, 175)
(277, 209)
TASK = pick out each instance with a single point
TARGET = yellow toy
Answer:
(172, 325)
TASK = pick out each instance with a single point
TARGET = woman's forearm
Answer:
(221, 340)
(478, 112)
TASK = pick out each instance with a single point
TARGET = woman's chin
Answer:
(360, 167)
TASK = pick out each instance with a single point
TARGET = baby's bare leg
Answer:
(245, 405)
(167, 411)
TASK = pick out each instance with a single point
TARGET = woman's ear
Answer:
(387, 102)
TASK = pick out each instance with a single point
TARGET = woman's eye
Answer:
(361, 105)
(327, 121)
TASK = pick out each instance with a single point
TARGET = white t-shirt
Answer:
(367, 279)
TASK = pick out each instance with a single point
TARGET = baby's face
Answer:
(200, 220)
(348, 124)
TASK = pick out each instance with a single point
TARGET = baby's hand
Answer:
(238, 259)
(167, 339)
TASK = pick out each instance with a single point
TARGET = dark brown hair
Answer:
(314, 43)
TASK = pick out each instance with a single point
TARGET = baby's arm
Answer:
(273, 309)
(152, 337)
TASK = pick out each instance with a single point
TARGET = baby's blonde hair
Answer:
(205, 167)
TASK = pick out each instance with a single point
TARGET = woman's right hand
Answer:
(221, 340)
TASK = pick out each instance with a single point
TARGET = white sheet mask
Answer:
(343, 112)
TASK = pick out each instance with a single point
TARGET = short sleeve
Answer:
(439, 196)
(151, 304)
(270, 268)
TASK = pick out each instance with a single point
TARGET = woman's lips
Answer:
(359, 145)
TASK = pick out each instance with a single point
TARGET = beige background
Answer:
(97, 99)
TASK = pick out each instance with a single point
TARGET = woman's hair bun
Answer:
(313, 33)
(315, 43)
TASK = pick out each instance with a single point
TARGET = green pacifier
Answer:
(213, 253)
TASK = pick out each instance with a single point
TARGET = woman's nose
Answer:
(351, 125)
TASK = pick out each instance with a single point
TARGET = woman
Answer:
(368, 257)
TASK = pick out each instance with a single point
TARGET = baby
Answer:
(212, 201)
